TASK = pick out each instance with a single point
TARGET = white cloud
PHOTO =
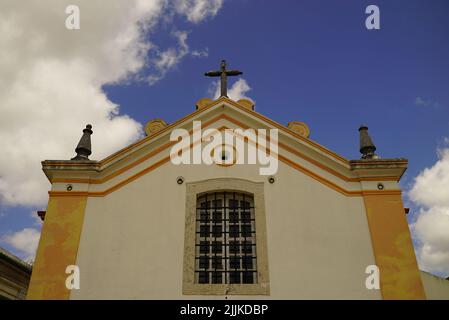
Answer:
(198, 10)
(37, 221)
(200, 53)
(239, 89)
(236, 92)
(25, 242)
(51, 80)
(431, 193)
(169, 58)
(431, 187)
(421, 102)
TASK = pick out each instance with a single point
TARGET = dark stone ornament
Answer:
(84, 148)
(367, 147)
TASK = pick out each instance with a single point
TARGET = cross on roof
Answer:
(223, 74)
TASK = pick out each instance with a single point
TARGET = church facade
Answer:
(139, 226)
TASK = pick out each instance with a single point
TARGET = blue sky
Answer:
(314, 61)
(310, 61)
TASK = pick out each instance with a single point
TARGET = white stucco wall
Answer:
(132, 240)
(435, 288)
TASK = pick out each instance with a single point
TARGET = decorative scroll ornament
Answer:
(154, 126)
(246, 103)
(203, 102)
(300, 128)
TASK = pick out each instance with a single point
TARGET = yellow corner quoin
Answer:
(58, 248)
(393, 248)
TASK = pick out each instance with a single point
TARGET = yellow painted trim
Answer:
(167, 159)
(332, 185)
(113, 188)
(58, 247)
(313, 161)
(223, 116)
(173, 125)
(240, 124)
(131, 165)
(393, 247)
(291, 132)
(292, 164)
(197, 112)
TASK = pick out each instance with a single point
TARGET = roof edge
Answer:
(16, 261)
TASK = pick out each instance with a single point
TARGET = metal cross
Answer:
(223, 74)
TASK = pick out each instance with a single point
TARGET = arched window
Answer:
(225, 238)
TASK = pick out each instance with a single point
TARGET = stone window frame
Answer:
(193, 189)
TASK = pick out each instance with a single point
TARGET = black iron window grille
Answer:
(225, 239)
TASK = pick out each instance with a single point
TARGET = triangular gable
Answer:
(199, 114)
(291, 146)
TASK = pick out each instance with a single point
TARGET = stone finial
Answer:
(300, 128)
(84, 148)
(367, 146)
(154, 126)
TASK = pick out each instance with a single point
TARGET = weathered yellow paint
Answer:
(58, 247)
(393, 248)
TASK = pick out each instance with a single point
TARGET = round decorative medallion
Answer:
(300, 128)
(154, 126)
(203, 102)
(248, 104)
